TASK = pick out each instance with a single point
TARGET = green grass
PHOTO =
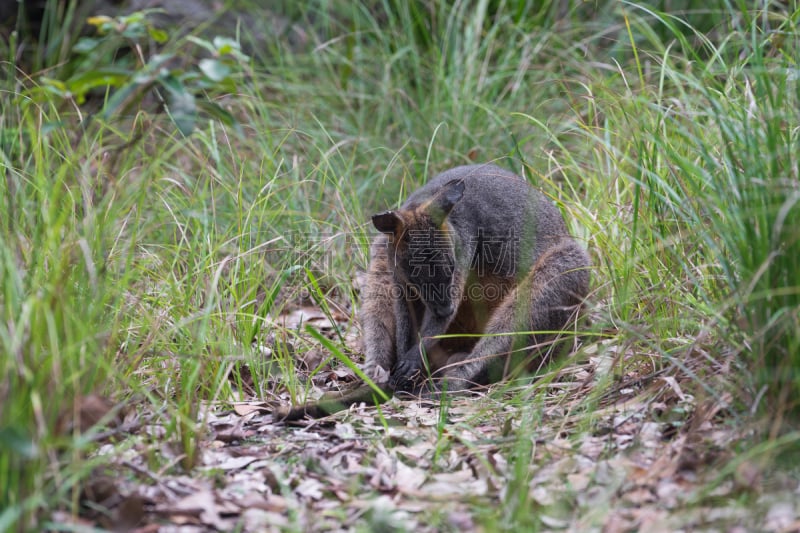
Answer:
(145, 266)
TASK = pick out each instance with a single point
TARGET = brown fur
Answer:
(476, 251)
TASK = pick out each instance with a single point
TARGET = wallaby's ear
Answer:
(446, 199)
(451, 194)
(386, 222)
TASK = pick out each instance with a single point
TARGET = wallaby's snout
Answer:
(442, 309)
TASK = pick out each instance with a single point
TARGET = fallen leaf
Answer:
(200, 506)
(310, 488)
(409, 479)
(639, 496)
(89, 411)
(781, 516)
(231, 463)
(128, 514)
(246, 408)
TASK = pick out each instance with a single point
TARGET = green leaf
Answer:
(121, 98)
(135, 18)
(202, 43)
(181, 104)
(151, 70)
(157, 61)
(14, 439)
(220, 113)
(159, 36)
(86, 45)
(214, 69)
(135, 32)
(226, 45)
(59, 86)
(171, 83)
(104, 77)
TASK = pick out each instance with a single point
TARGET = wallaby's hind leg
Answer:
(378, 320)
(546, 300)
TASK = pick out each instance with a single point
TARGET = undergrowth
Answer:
(146, 256)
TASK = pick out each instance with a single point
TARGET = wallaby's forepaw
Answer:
(405, 376)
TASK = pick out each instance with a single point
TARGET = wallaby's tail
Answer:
(333, 402)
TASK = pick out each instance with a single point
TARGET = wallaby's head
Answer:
(423, 249)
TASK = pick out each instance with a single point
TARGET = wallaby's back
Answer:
(500, 214)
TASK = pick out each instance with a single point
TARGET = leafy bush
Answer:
(116, 62)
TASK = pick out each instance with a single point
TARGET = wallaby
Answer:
(475, 255)
(471, 279)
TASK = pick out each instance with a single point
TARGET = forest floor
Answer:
(653, 458)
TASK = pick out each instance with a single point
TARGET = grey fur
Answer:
(476, 250)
